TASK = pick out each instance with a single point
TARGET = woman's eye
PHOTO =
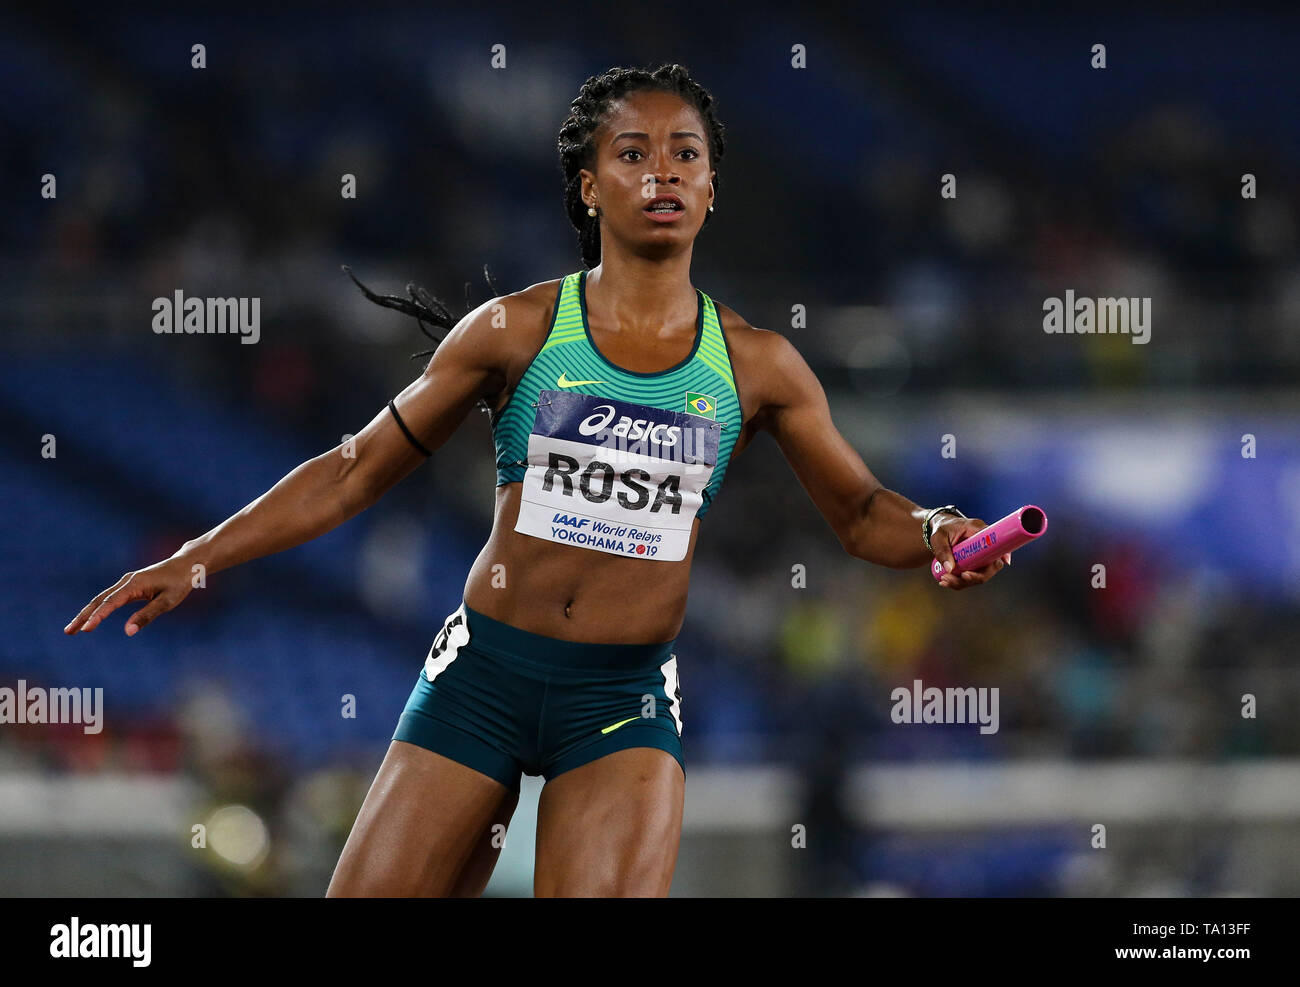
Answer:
(631, 150)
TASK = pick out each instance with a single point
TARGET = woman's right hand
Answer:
(164, 584)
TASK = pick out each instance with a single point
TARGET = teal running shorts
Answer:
(507, 702)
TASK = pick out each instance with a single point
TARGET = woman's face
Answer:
(651, 145)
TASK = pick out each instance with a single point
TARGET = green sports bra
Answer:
(611, 459)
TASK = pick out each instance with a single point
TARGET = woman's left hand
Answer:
(950, 531)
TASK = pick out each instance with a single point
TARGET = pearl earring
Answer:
(710, 209)
(591, 210)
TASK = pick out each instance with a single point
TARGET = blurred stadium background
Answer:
(1119, 706)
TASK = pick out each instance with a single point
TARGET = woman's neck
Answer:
(641, 295)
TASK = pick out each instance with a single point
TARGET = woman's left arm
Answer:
(872, 523)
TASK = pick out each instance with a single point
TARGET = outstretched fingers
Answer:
(94, 612)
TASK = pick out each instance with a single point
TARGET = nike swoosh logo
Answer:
(611, 729)
(565, 382)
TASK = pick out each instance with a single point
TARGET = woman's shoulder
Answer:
(518, 319)
(745, 341)
(537, 300)
(758, 359)
(518, 323)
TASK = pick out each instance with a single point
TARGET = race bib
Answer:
(615, 477)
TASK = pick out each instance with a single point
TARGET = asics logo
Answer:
(594, 423)
(564, 381)
(661, 433)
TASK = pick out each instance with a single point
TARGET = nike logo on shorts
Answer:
(615, 726)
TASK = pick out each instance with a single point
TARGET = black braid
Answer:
(424, 307)
(588, 112)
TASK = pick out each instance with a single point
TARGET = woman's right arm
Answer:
(470, 363)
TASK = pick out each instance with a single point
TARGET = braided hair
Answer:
(423, 307)
(595, 98)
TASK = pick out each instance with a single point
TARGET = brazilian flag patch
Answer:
(701, 404)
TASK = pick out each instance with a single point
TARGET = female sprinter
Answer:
(618, 395)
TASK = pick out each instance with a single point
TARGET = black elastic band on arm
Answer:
(406, 431)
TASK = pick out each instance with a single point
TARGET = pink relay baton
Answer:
(1016, 529)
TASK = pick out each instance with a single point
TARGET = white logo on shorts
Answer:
(673, 689)
(451, 638)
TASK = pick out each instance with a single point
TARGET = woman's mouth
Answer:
(664, 208)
